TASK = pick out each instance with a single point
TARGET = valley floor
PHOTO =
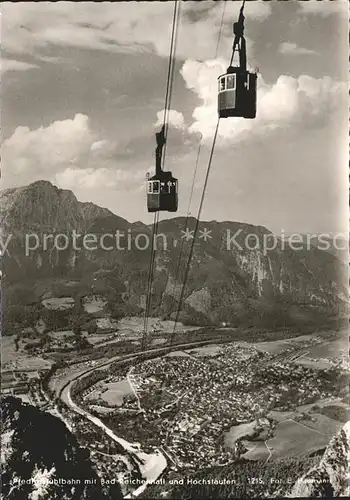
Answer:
(203, 406)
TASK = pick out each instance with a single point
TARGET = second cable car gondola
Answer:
(162, 188)
(238, 86)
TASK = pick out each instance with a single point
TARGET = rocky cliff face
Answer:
(233, 276)
(41, 459)
(42, 207)
(330, 478)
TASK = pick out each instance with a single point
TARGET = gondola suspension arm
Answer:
(239, 40)
(160, 138)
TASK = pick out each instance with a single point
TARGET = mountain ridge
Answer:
(228, 281)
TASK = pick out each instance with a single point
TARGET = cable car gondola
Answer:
(162, 188)
(237, 87)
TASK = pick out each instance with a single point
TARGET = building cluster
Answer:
(188, 404)
(25, 385)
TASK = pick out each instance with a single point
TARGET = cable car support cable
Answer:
(250, 112)
(194, 178)
(220, 30)
(162, 139)
(182, 240)
(149, 284)
(171, 70)
(195, 232)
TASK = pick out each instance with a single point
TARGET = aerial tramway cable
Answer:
(193, 181)
(169, 86)
(220, 30)
(185, 225)
(239, 42)
(195, 232)
(171, 70)
(149, 284)
(192, 187)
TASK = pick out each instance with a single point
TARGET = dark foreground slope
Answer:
(41, 459)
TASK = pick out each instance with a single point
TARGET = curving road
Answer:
(151, 466)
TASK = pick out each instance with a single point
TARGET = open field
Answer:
(19, 360)
(339, 413)
(324, 355)
(177, 354)
(323, 402)
(314, 364)
(323, 424)
(106, 323)
(239, 431)
(256, 450)
(158, 341)
(295, 439)
(323, 421)
(60, 335)
(328, 349)
(136, 325)
(68, 335)
(58, 304)
(278, 346)
(210, 350)
(93, 304)
(7, 377)
(102, 338)
(317, 356)
(114, 395)
(329, 344)
(281, 416)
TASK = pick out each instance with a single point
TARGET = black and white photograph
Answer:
(174, 245)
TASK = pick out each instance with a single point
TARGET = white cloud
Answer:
(325, 8)
(13, 65)
(122, 26)
(303, 100)
(95, 146)
(82, 179)
(60, 143)
(174, 119)
(294, 49)
(67, 152)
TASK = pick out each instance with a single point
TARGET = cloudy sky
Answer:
(83, 89)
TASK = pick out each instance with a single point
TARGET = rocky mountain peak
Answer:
(228, 281)
(43, 207)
